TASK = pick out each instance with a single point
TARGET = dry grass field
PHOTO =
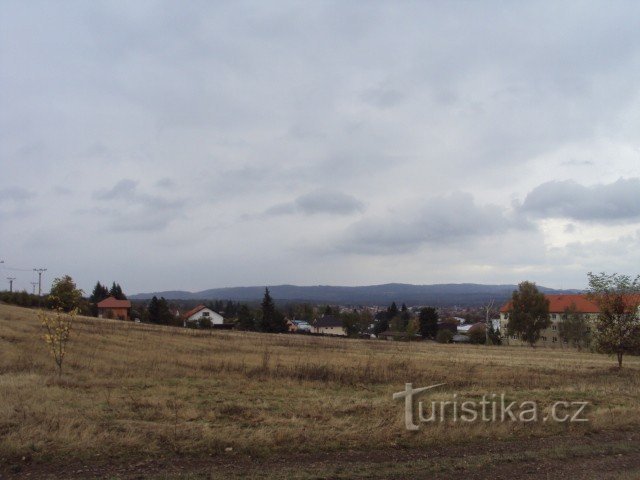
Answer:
(164, 402)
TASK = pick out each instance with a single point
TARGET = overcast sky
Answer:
(190, 145)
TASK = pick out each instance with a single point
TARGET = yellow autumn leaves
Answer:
(57, 325)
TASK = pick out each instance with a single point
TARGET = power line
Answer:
(11, 279)
(33, 284)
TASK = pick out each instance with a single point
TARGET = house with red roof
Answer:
(111, 307)
(196, 316)
(558, 305)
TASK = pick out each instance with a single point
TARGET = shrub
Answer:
(477, 334)
(444, 336)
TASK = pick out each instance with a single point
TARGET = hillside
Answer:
(143, 401)
(463, 294)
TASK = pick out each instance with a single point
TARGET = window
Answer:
(205, 314)
(555, 339)
(544, 339)
(554, 327)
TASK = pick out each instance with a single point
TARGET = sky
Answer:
(196, 144)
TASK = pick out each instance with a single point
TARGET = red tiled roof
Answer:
(192, 311)
(113, 302)
(558, 304)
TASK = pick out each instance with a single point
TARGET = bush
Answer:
(477, 334)
(444, 336)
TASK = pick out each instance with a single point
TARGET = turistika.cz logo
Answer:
(491, 408)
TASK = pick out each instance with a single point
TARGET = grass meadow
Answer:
(135, 391)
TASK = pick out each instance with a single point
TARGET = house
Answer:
(558, 304)
(201, 313)
(329, 325)
(111, 307)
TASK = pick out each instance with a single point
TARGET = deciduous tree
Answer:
(574, 328)
(618, 325)
(529, 313)
(64, 295)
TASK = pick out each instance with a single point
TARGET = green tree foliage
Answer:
(99, 293)
(22, 298)
(271, 319)
(116, 291)
(574, 328)
(158, 311)
(352, 324)
(428, 320)
(413, 328)
(393, 310)
(381, 323)
(246, 319)
(397, 324)
(477, 334)
(618, 326)
(444, 336)
(205, 322)
(405, 316)
(64, 294)
(529, 313)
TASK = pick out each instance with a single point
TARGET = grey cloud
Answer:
(124, 189)
(246, 105)
(383, 97)
(442, 221)
(165, 183)
(320, 201)
(134, 210)
(615, 201)
(577, 163)
(15, 202)
(15, 194)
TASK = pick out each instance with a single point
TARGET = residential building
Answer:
(111, 307)
(200, 313)
(329, 325)
(558, 305)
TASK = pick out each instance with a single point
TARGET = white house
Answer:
(329, 325)
(201, 312)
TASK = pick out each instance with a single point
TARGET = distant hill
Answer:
(462, 294)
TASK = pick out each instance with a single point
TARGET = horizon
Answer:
(352, 286)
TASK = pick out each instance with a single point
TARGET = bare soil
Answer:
(604, 455)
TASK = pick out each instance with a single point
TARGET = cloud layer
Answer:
(617, 201)
(194, 145)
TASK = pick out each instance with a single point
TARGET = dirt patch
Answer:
(602, 455)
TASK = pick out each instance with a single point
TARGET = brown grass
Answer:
(132, 390)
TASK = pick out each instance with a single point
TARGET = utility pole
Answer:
(40, 271)
(11, 279)
(33, 284)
